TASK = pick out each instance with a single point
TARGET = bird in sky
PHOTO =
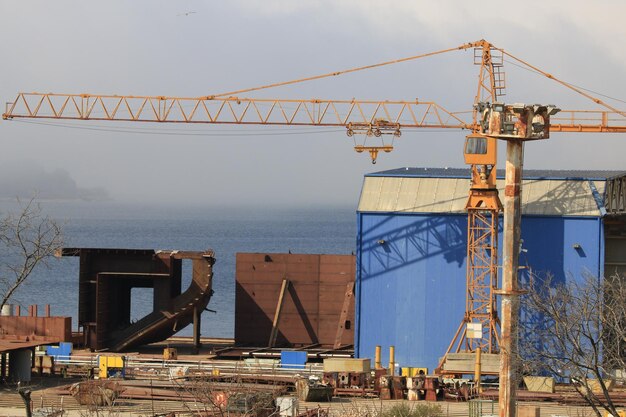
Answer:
(185, 14)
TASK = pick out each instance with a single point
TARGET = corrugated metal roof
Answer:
(448, 193)
(414, 195)
(528, 173)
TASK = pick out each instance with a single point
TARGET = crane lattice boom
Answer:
(233, 110)
(285, 112)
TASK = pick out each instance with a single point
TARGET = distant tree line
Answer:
(54, 185)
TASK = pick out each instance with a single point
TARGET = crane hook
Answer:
(373, 155)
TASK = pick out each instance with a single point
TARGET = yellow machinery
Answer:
(170, 354)
(111, 366)
(412, 371)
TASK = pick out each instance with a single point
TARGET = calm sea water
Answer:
(225, 230)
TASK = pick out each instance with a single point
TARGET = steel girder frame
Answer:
(482, 279)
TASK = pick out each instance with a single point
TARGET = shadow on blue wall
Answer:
(412, 267)
(410, 280)
(394, 245)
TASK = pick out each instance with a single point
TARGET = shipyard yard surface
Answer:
(155, 387)
(46, 392)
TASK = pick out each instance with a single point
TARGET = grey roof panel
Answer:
(544, 197)
(530, 174)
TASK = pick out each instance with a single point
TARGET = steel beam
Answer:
(196, 329)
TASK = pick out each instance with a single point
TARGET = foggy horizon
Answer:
(157, 48)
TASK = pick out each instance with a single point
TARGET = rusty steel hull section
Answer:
(58, 329)
(317, 307)
(106, 279)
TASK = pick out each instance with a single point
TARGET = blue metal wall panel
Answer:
(411, 275)
(550, 246)
(411, 294)
(600, 254)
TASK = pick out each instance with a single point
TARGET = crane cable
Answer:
(149, 131)
(565, 84)
(346, 71)
(465, 46)
(515, 64)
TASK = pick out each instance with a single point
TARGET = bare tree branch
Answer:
(574, 331)
(28, 238)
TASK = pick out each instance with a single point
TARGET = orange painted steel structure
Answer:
(238, 110)
(483, 207)
(281, 112)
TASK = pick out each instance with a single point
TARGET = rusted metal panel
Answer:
(106, 278)
(57, 328)
(24, 332)
(312, 304)
(9, 344)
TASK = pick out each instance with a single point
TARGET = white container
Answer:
(287, 406)
(7, 310)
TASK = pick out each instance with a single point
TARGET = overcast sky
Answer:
(196, 48)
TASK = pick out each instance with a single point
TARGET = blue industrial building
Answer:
(411, 249)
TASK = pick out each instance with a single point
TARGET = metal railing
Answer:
(159, 367)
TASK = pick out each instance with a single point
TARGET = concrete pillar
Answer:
(510, 266)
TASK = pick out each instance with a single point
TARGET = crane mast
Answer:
(479, 327)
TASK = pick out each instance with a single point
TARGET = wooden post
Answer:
(344, 314)
(279, 307)
(196, 330)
